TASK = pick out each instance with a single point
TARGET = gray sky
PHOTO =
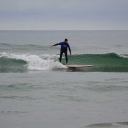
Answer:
(63, 14)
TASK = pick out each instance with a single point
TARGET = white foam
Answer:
(37, 62)
(123, 56)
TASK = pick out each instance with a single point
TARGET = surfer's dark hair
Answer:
(66, 39)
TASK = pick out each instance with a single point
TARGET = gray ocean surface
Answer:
(36, 90)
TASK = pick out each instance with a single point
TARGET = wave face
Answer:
(110, 62)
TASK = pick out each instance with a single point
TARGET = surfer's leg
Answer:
(61, 53)
(66, 57)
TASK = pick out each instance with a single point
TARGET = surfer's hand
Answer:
(51, 46)
(70, 54)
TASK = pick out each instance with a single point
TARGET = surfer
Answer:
(63, 49)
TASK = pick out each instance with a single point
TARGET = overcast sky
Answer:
(63, 14)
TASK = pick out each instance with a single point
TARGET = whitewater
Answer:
(33, 62)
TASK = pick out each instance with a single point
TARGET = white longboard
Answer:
(79, 66)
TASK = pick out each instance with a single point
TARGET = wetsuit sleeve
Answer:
(57, 44)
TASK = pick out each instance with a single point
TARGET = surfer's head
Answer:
(66, 40)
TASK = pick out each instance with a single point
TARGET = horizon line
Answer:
(64, 30)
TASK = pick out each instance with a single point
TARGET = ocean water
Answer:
(36, 90)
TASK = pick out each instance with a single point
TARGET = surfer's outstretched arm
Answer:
(55, 44)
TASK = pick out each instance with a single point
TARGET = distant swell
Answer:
(109, 62)
(108, 125)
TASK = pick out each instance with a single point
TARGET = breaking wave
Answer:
(23, 62)
(109, 62)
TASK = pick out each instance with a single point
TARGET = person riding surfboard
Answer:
(63, 49)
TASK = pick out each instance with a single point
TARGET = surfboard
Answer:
(79, 66)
